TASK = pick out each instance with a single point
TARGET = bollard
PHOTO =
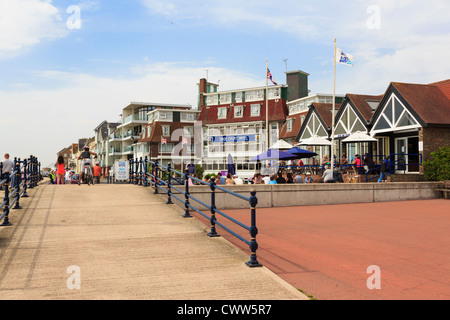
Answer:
(213, 233)
(186, 195)
(253, 263)
(6, 222)
(169, 190)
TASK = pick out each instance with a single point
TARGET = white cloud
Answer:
(42, 122)
(25, 23)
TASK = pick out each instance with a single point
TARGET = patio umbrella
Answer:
(359, 137)
(301, 154)
(314, 141)
(274, 154)
(281, 144)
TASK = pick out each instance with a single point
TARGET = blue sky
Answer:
(57, 83)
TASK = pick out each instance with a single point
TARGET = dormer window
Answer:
(255, 110)
(238, 111)
(222, 113)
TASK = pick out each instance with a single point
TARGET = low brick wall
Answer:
(289, 195)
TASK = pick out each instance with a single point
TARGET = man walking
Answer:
(8, 167)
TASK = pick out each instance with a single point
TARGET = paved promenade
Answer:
(124, 243)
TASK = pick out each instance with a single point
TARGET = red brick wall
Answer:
(433, 138)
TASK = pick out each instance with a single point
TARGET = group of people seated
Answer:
(283, 177)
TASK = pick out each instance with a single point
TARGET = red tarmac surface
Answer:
(327, 250)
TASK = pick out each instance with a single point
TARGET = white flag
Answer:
(343, 58)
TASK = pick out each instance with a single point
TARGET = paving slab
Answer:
(108, 242)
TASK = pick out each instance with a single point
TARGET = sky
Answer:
(67, 65)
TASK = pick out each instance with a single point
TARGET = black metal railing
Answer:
(162, 178)
(26, 175)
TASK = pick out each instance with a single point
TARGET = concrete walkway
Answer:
(122, 242)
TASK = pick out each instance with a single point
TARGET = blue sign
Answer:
(242, 138)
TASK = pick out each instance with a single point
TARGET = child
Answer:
(60, 170)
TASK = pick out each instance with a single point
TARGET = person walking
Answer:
(60, 170)
(384, 169)
(97, 172)
(8, 167)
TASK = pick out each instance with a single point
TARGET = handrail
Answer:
(139, 175)
(30, 168)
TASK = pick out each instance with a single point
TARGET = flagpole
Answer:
(267, 105)
(334, 107)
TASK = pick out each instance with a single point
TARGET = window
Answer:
(238, 97)
(274, 93)
(290, 122)
(166, 131)
(187, 116)
(255, 110)
(238, 111)
(225, 98)
(188, 132)
(254, 95)
(166, 148)
(212, 100)
(222, 113)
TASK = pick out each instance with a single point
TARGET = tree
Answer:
(438, 167)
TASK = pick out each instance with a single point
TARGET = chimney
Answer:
(297, 82)
(203, 88)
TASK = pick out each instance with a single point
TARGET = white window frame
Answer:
(289, 124)
(254, 114)
(188, 132)
(238, 111)
(222, 113)
(166, 131)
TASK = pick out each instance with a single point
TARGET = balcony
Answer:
(133, 120)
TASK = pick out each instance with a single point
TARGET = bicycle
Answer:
(87, 175)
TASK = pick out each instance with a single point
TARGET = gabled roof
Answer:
(296, 126)
(427, 102)
(444, 86)
(361, 104)
(323, 112)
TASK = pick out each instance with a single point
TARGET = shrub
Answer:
(438, 167)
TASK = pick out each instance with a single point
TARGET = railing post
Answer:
(17, 184)
(186, 195)
(213, 233)
(1, 174)
(253, 232)
(169, 190)
(136, 171)
(140, 172)
(156, 176)
(31, 170)
(130, 171)
(25, 178)
(145, 171)
(6, 222)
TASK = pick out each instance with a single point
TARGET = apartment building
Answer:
(169, 136)
(244, 122)
(102, 144)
